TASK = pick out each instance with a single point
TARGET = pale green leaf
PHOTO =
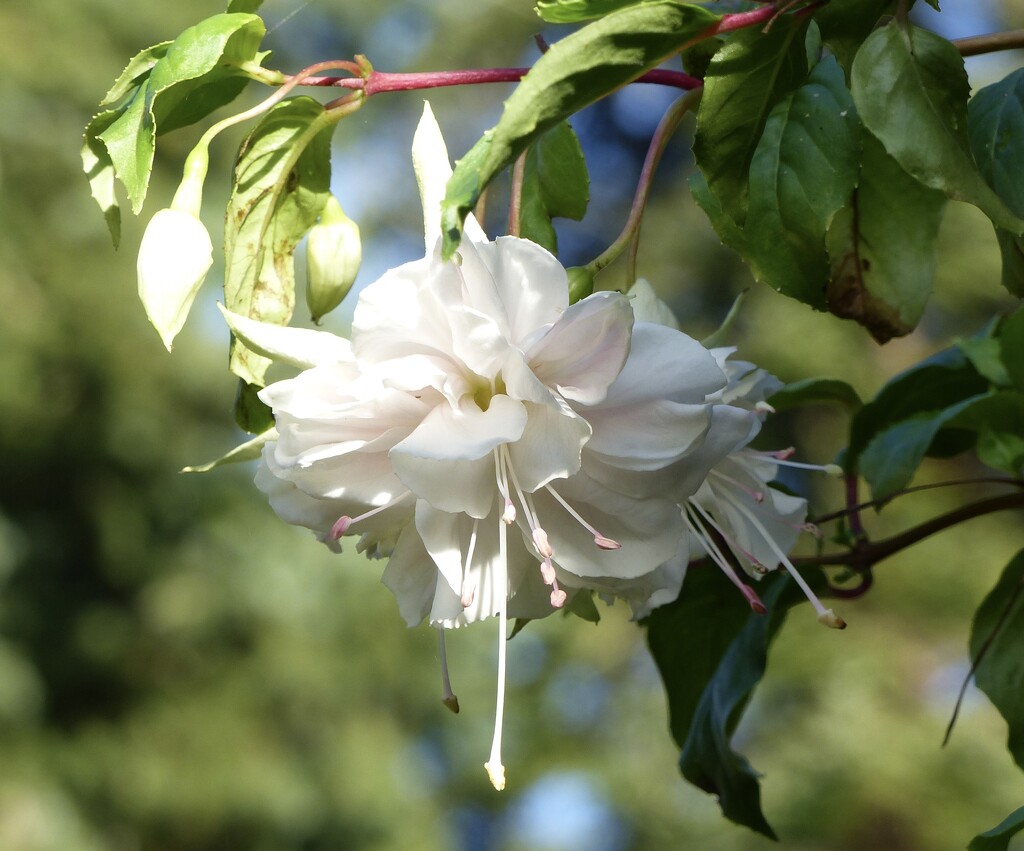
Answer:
(572, 11)
(99, 169)
(555, 184)
(136, 71)
(248, 451)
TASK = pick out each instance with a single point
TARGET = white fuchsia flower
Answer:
(474, 399)
(727, 499)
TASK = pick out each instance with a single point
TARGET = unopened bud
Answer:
(333, 255)
(581, 283)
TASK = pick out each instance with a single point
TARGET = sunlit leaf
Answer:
(571, 11)
(99, 169)
(581, 68)
(135, 72)
(248, 451)
(555, 185)
(911, 91)
(282, 181)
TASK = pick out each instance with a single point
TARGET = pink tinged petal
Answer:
(519, 283)
(521, 383)
(584, 351)
(550, 446)
(664, 364)
(649, 531)
(299, 347)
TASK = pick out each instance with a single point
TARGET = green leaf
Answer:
(997, 636)
(711, 651)
(891, 458)
(281, 183)
(196, 75)
(137, 70)
(555, 184)
(99, 169)
(882, 247)
(998, 838)
(986, 354)
(929, 387)
(582, 605)
(911, 91)
(802, 171)
(571, 11)
(811, 391)
(844, 25)
(251, 414)
(578, 70)
(244, 5)
(1011, 344)
(995, 122)
(248, 451)
(747, 77)
(998, 420)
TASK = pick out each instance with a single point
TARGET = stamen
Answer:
(448, 697)
(757, 496)
(826, 616)
(711, 548)
(342, 524)
(755, 563)
(540, 541)
(764, 408)
(781, 458)
(468, 592)
(495, 769)
(605, 543)
(508, 515)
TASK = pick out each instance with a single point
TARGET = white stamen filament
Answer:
(508, 515)
(604, 542)
(757, 496)
(468, 592)
(733, 545)
(343, 523)
(448, 697)
(781, 458)
(825, 616)
(495, 769)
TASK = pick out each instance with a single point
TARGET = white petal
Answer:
(584, 351)
(433, 169)
(174, 256)
(299, 347)
(647, 307)
(550, 446)
(411, 576)
(647, 436)
(466, 432)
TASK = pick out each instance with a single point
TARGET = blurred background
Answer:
(180, 670)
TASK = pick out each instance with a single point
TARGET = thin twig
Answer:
(978, 44)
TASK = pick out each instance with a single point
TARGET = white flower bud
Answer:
(333, 255)
(174, 257)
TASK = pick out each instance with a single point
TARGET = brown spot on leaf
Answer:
(848, 297)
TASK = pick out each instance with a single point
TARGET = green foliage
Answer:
(173, 85)
(747, 77)
(997, 645)
(998, 838)
(579, 69)
(282, 181)
(844, 24)
(810, 391)
(248, 451)
(99, 169)
(711, 651)
(911, 92)
(572, 11)
(995, 121)
(555, 184)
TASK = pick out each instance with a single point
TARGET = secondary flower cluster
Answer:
(506, 450)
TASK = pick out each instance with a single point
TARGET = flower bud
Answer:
(174, 257)
(333, 255)
(581, 283)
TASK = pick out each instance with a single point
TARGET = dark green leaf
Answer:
(282, 181)
(995, 120)
(998, 420)
(581, 68)
(929, 387)
(1011, 343)
(747, 77)
(998, 838)
(882, 247)
(711, 652)
(998, 630)
(195, 76)
(555, 184)
(697, 57)
(812, 391)
(99, 170)
(571, 11)
(135, 72)
(251, 414)
(844, 25)
(986, 354)
(891, 458)
(911, 91)
(582, 605)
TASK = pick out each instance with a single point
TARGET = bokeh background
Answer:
(181, 671)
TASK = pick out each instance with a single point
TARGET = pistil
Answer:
(494, 766)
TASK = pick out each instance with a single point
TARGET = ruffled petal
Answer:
(299, 347)
(584, 351)
(550, 446)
